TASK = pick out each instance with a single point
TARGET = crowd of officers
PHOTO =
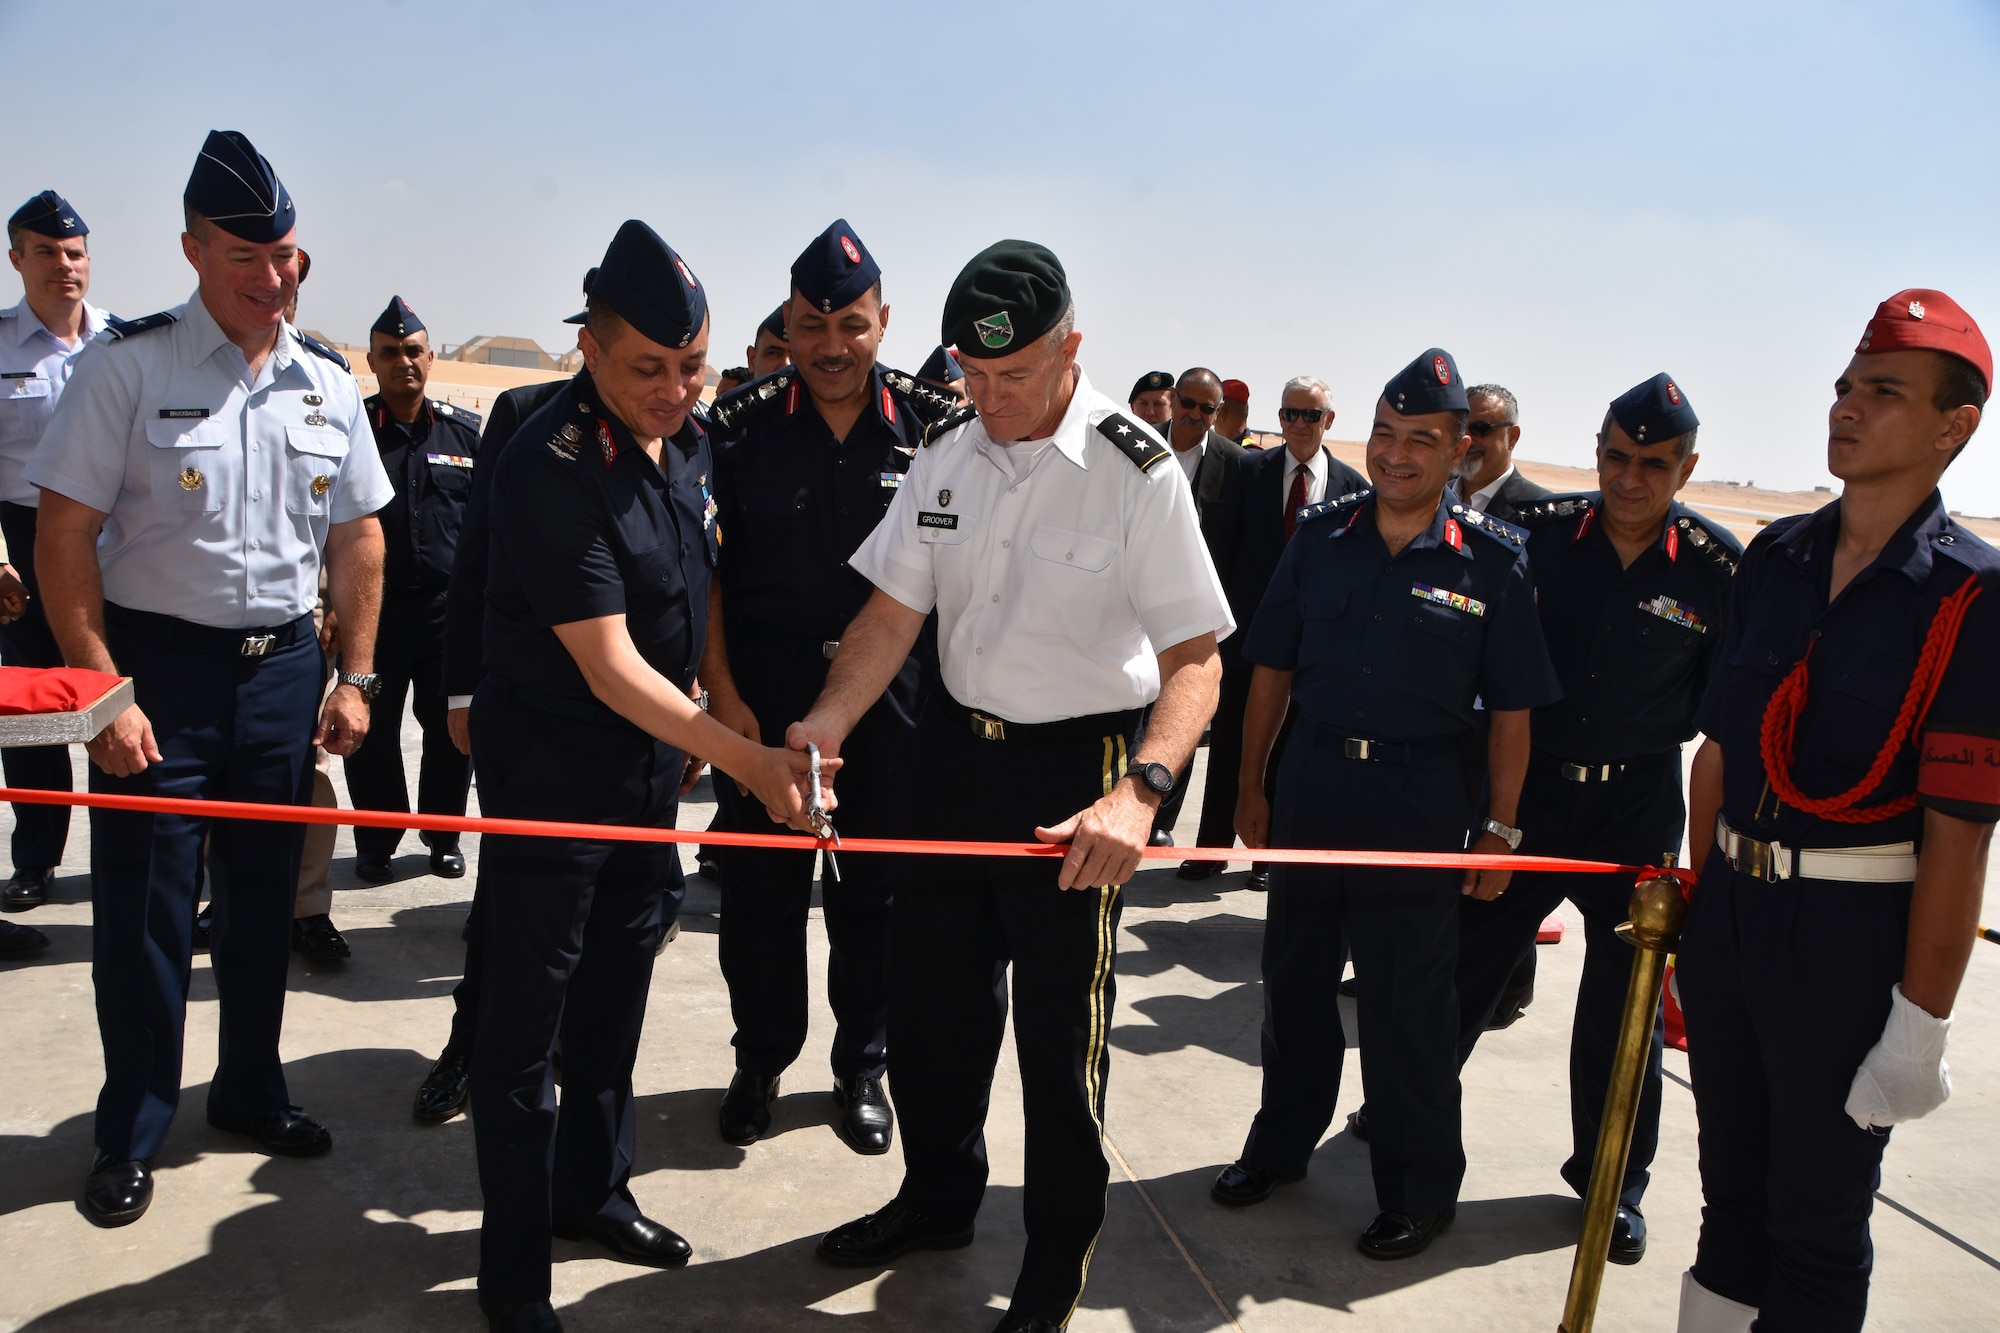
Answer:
(985, 603)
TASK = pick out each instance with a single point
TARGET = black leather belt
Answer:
(1607, 772)
(256, 642)
(1067, 731)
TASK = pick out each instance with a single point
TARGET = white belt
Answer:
(1887, 863)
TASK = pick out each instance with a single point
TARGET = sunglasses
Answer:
(1307, 414)
(1479, 430)
(1206, 409)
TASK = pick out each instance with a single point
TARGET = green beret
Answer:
(1011, 293)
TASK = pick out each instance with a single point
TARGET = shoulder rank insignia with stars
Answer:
(318, 348)
(1551, 508)
(1131, 440)
(1505, 533)
(1719, 546)
(463, 415)
(748, 400)
(1349, 501)
(929, 400)
(125, 328)
(948, 423)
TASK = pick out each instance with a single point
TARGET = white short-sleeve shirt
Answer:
(218, 485)
(1055, 592)
(34, 368)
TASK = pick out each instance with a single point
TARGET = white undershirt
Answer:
(1484, 495)
(1190, 457)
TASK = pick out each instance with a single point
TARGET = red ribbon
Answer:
(543, 828)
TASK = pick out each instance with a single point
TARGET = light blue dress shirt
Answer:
(219, 485)
(34, 367)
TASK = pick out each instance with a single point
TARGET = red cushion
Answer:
(51, 689)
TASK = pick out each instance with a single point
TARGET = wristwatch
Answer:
(1510, 836)
(370, 685)
(1156, 776)
(701, 701)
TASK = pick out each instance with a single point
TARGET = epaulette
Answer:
(744, 401)
(1131, 440)
(318, 348)
(460, 414)
(125, 328)
(1325, 507)
(1478, 520)
(949, 422)
(1551, 508)
(566, 441)
(929, 398)
(1718, 544)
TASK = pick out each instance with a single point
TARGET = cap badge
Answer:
(314, 400)
(681, 264)
(190, 479)
(321, 484)
(1916, 310)
(1673, 394)
(853, 254)
(944, 498)
(1443, 369)
(995, 330)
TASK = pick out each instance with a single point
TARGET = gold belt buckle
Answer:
(1356, 748)
(988, 728)
(257, 645)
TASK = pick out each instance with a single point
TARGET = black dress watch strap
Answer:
(1156, 777)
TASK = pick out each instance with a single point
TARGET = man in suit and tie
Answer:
(1271, 486)
(1487, 476)
(1210, 461)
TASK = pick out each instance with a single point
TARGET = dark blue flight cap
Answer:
(236, 189)
(398, 321)
(650, 286)
(1431, 383)
(48, 214)
(1654, 411)
(583, 316)
(941, 367)
(774, 324)
(835, 269)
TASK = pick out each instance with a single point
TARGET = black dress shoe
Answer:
(115, 1193)
(373, 869)
(746, 1108)
(1505, 1018)
(1014, 1322)
(1161, 838)
(1628, 1236)
(707, 864)
(638, 1241)
(316, 938)
(28, 889)
(1199, 869)
(204, 928)
(867, 1123)
(878, 1238)
(21, 941)
(288, 1133)
(1401, 1235)
(1258, 881)
(447, 863)
(1240, 1185)
(445, 1089)
(1357, 1122)
(519, 1316)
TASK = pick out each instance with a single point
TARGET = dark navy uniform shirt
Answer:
(1633, 646)
(430, 462)
(794, 503)
(1400, 648)
(584, 525)
(1865, 646)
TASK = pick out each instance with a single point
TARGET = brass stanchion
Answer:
(1658, 908)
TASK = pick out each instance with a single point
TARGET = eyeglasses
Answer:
(1306, 414)
(1206, 409)
(1479, 430)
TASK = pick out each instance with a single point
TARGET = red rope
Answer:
(1788, 704)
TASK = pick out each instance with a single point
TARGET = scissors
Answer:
(816, 813)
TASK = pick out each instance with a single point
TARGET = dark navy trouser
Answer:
(229, 728)
(40, 831)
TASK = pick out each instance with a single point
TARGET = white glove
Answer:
(1904, 1077)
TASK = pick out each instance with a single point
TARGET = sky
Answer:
(1569, 197)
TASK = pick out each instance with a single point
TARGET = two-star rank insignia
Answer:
(1132, 441)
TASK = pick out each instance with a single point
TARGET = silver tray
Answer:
(75, 728)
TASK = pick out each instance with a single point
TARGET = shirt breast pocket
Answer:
(186, 464)
(1441, 650)
(1870, 693)
(933, 531)
(1323, 631)
(1079, 551)
(450, 481)
(654, 572)
(26, 403)
(313, 459)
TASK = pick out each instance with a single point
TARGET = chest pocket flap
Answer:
(187, 467)
(1077, 550)
(26, 386)
(318, 443)
(313, 459)
(199, 433)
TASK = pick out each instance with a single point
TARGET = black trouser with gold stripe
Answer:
(959, 923)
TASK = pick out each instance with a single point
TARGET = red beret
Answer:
(1235, 391)
(1920, 318)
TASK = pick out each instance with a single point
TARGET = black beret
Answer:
(1151, 382)
(1011, 293)
(1654, 411)
(774, 324)
(48, 214)
(835, 269)
(398, 321)
(941, 367)
(1431, 383)
(583, 316)
(650, 286)
(236, 189)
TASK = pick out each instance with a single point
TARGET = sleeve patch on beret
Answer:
(1960, 768)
